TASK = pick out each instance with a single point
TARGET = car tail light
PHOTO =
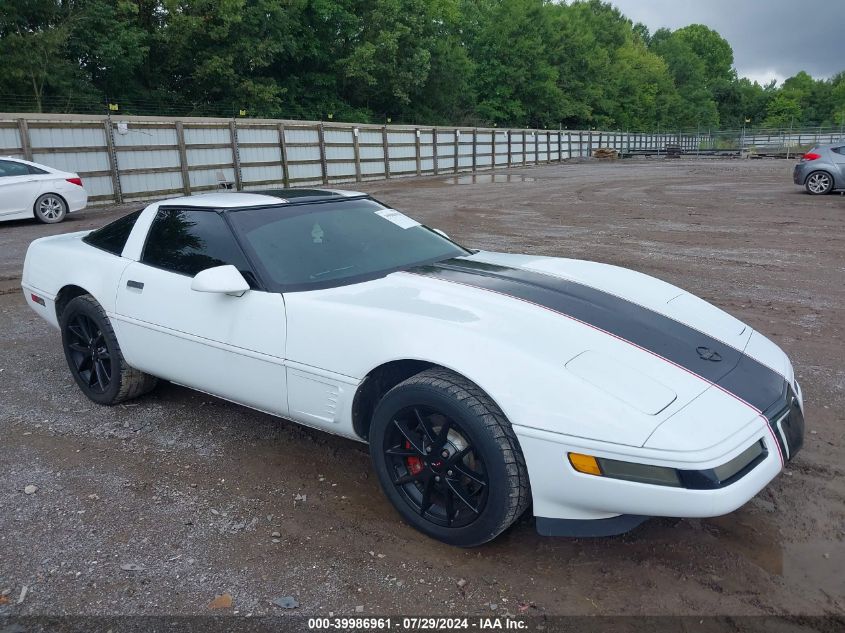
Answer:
(75, 181)
(812, 156)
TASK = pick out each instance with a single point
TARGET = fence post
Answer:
(321, 137)
(386, 148)
(26, 146)
(283, 151)
(236, 154)
(183, 158)
(510, 151)
(113, 167)
(435, 161)
(356, 149)
(456, 141)
(474, 149)
(418, 154)
(524, 148)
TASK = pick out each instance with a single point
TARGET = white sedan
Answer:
(29, 190)
(485, 383)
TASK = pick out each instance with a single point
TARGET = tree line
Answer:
(529, 63)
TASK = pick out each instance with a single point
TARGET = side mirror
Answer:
(439, 232)
(222, 280)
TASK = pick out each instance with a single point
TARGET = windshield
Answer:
(320, 245)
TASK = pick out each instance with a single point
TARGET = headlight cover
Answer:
(709, 479)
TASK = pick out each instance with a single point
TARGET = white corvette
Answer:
(484, 383)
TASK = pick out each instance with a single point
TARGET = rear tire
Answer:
(94, 357)
(448, 459)
(819, 183)
(50, 208)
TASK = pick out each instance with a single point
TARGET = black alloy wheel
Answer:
(87, 350)
(435, 467)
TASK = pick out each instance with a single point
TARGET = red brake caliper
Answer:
(415, 464)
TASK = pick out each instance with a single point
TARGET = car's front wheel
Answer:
(448, 459)
(94, 357)
(819, 183)
(50, 208)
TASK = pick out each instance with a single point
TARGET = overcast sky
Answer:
(772, 39)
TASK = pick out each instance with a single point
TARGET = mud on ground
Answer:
(191, 489)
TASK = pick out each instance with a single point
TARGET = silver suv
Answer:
(822, 169)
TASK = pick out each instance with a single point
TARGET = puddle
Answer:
(484, 179)
(756, 541)
(815, 563)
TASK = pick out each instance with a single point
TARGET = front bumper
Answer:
(567, 502)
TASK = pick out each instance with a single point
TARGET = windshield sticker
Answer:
(399, 219)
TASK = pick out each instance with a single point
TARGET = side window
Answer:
(112, 237)
(187, 242)
(10, 168)
(839, 150)
(36, 170)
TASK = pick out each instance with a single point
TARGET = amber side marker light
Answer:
(584, 464)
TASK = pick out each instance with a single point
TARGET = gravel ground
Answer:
(163, 504)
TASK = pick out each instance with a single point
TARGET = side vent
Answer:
(313, 399)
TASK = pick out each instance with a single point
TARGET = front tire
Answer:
(94, 357)
(819, 183)
(50, 208)
(448, 459)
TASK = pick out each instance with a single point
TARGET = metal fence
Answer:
(771, 139)
(134, 158)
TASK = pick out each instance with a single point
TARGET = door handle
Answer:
(137, 285)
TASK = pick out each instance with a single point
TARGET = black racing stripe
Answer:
(736, 373)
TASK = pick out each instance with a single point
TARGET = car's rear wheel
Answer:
(448, 459)
(50, 208)
(819, 183)
(94, 357)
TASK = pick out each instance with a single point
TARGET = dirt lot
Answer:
(192, 489)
